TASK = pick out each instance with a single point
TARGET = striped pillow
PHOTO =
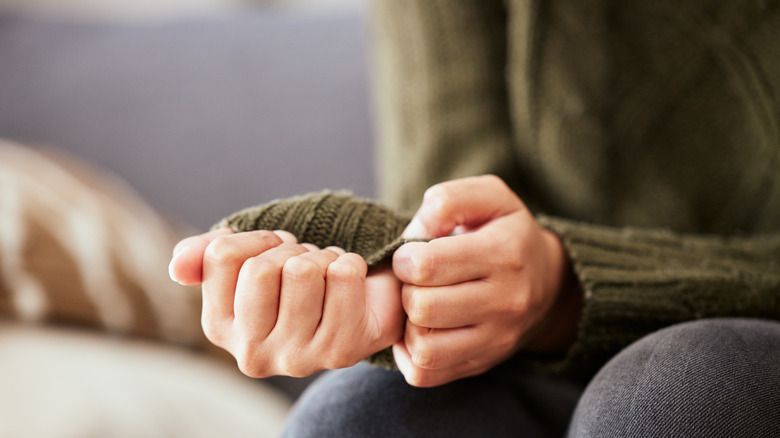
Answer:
(79, 247)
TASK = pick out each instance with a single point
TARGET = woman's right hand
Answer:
(283, 308)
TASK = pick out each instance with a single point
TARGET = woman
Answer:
(645, 140)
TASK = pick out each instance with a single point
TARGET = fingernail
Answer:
(286, 236)
(310, 246)
(415, 230)
(170, 267)
(178, 249)
(336, 249)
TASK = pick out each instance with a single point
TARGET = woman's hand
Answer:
(283, 308)
(491, 282)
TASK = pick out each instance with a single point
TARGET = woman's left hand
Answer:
(491, 282)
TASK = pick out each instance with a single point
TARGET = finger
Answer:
(222, 262)
(343, 310)
(466, 202)
(286, 236)
(302, 294)
(464, 257)
(459, 305)
(441, 348)
(186, 265)
(383, 302)
(425, 378)
(441, 262)
(453, 259)
(336, 249)
(256, 302)
(310, 246)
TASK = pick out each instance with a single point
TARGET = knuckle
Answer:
(518, 304)
(511, 257)
(258, 267)
(230, 247)
(250, 364)
(300, 267)
(419, 378)
(287, 364)
(221, 250)
(422, 265)
(442, 199)
(334, 359)
(267, 238)
(426, 358)
(345, 268)
(422, 353)
(420, 310)
(262, 235)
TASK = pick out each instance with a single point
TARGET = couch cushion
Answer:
(201, 116)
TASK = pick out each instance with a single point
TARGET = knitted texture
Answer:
(330, 219)
(441, 96)
(637, 281)
(590, 113)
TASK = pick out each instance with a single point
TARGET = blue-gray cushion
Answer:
(201, 116)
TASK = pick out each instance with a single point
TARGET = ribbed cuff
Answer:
(328, 218)
(637, 281)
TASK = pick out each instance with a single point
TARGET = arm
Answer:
(509, 256)
(563, 153)
(639, 280)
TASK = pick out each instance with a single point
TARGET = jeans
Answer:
(708, 378)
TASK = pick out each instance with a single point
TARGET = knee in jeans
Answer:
(719, 376)
(347, 402)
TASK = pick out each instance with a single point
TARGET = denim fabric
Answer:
(364, 401)
(710, 378)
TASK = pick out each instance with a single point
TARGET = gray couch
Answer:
(201, 116)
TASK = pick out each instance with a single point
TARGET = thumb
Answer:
(466, 202)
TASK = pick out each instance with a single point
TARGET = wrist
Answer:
(558, 329)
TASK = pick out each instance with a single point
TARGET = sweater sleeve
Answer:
(637, 281)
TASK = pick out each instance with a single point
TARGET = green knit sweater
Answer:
(645, 134)
(653, 128)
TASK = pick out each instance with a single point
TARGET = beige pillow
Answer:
(77, 246)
